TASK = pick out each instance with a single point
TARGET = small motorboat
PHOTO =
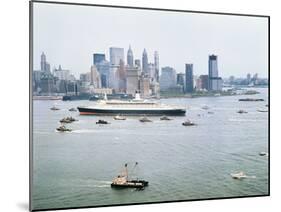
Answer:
(263, 154)
(123, 181)
(54, 108)
(239, 176)
(73, 109)
(145, 119)
(205, 107)
(62, 128)
(241, 111)
(262, 110)
(210, 112)
(100, 121)
(165, 118)
(118, 117)
(188, 123)
(68, 120)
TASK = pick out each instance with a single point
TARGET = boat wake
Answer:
(84, 131)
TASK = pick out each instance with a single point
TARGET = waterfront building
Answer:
(156, 65)
(189, 78)
(97, 58)
(85, 77)
(120, 77)
(132, 83)
(47, 84)
(144, 86)
(248, 78)
(103, 91)
(215, 82)
(45, 66)
(204, 82)
(151, 72)
(168, 78)
(113, 82)
(138, 63)
(95, 77)
(61, 74)
(103, 68)
(144, 62)
(180, 79)
(116, 55)
(130, 57)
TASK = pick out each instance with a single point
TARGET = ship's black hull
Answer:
(139, 112)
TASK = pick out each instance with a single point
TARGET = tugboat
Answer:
(123, 181)
(73, 109)
(68, 120)
(100, 121)
(145, 119)
(54, 108)
(165, 118)
(118, 117)
(62, 128)
(241, 111)
(188, 123)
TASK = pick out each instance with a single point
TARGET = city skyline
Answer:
(73, 42)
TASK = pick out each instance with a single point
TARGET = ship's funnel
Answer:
(137, 97)
(105, 96)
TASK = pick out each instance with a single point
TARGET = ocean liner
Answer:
(133, 107)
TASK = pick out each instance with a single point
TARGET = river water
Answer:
(76, 168)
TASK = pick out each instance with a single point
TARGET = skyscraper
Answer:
(116, 54)
(95, 77)
(156, 64)
(144, 62)
(103, 68)
(43, 63)
(130, 57)
(132, 83)
(215, 82)
(168, 78)
(97, 58)
(138, 63)
(189, 78)
(204, 82)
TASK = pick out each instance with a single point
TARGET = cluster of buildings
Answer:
(127, 75)
(118, 75)
(173, 82)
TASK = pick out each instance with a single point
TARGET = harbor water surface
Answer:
(76, 168)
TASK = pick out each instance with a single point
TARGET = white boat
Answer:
(240, 175)
(136, 106)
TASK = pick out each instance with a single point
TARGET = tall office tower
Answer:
(116, 54)
(44, 65)
(103, 68)
(181, 80)
(215, 82)
(97, 58)
(138, 63)
(151, 71)
(156, 64)
(144, 86)
(168, 78)
(189, 78)
(95, 77)
(120, 77)
(204, 82)
(132, 83)
(144, 62)
(130, 57)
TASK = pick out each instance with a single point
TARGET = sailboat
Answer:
(123, 180)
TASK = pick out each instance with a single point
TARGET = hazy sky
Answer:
(69, 35)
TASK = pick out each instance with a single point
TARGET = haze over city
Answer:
(70, 35)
